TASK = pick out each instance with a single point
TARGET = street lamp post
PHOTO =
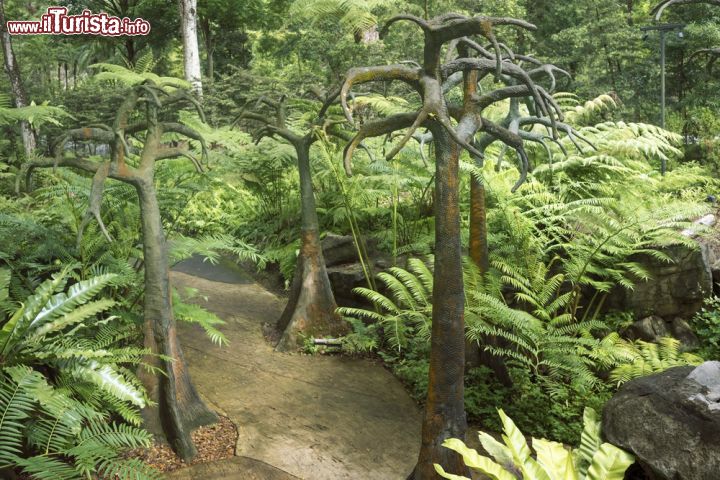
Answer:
(663, 29)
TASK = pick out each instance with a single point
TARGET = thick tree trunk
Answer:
(178, 408)
(445, 408)
(191, 52)
(478, 226)
(310, 310)
(18, 91)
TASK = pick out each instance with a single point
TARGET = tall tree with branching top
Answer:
(178, 408)
(444, 412)
(311, 307)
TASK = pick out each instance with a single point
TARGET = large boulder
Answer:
(343, 279)
(339, 249)
(675, 289)
(670, 421)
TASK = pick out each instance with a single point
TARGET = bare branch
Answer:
(658, 10)
(376, 128)
(467, 26)
(484, 65)
(188, 132)
(95, 201)
(404, 18)
(411, 76)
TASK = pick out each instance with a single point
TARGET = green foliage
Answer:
(63, 373)
(512, 459)
(36, 115)
(706, 325)
(108, 72)
(404, 316)
(528, 403)
(640, 358)
(190, 312)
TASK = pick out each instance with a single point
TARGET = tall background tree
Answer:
(12, 69)
(191, 52)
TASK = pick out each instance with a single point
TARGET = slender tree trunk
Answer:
(18, 91)
(179, 408)
(480, 256)
(209, 48)
(477, 247)
(130, 51)
(445, 408)
(310, 310)
(478, 226)
(191, 52)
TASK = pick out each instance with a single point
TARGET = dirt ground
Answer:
(298, 416)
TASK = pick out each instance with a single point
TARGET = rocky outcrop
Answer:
(338, 249)
(670, 421)
(653, 328)
(675, 289)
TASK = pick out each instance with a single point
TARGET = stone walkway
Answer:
(298, 416)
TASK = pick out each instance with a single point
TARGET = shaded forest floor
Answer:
(298, 416)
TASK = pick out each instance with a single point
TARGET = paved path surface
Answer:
(298, 416)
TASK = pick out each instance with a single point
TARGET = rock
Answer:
(699, 224)
(681, 330)
(675, 289)
(338, 249)
(670, 421)
(653, 328)
(341, 249)
(649, 329)
(343, 279)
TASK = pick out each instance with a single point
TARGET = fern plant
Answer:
(512, 459)
(641, 358)
(402, 316)
(63, 373)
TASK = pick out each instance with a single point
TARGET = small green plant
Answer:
(644, 358)
(512, 460)
(706, 324)
(527, 402)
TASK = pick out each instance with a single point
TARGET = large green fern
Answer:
(58, 426)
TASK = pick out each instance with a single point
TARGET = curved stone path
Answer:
(298, 416)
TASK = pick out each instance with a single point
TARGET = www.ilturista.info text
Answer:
(57, 22)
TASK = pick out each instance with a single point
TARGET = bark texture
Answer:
(16, 86)
(445, 407)
(179, 409)
(310, 310)
(191, 51)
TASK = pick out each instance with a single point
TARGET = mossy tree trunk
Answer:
(178, 409)
(445, 408)
(310, 310)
